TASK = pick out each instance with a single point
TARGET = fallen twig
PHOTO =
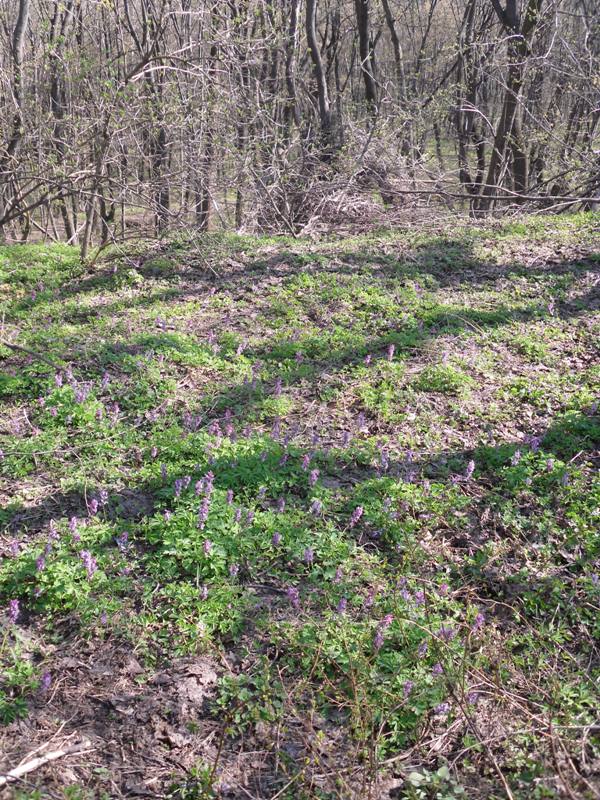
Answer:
(35, 763)
(32, 353)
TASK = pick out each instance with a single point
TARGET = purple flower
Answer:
(391, 349)
(14, 548)
(419, 597)
(167, 515)
(293, 596)
(369, 599)
(316, 507)
(469, 470)
(203, 592)
(516, 457)
(534, 443)
(103, 618)
(40, 564)
(313, 477)
(178, 486)
(305, 462)
(437, 669)
(423, 648)
(73, 522)
(214, 428)
(203, 512)
(478, 623)
(238, 514)
(89, 563)
(13, 611)
(208, 482)
(381, 628)
(378, 640)
(442, 708)
(472, 698)
(229, 497)
(446, 633)
(93, 507)
(249, 517)
(281, 505)
(338, 575)
(58, 379)
(122, 541)
(386, 622)
(368, 359)
(308, 556)
(356, 515)
(276, 539)
(443, 590)
(45, 682)
(594, 579)
(207, 547)
(407, 689)
(549, 465)
(154, 451)
(342, 605)
(234, 569)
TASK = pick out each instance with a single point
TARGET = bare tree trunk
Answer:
(291, 111)
(203, 189)
(325, 116)
(59, 26)
(7, 159)
(366, 54)
(508, 125)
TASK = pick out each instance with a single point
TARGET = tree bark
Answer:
(7, 159)
(508, 132)
(366, 54)
(325, 116)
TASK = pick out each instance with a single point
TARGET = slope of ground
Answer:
(292, 519)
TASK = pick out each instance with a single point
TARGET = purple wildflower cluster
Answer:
(380, 632)
(478, 623)
(355, 516)
(89, 562)
(316, 507)
(13, 611)
(293, 596)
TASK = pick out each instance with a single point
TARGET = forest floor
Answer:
(303, 519)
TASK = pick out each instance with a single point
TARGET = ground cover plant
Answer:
(303, 519)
